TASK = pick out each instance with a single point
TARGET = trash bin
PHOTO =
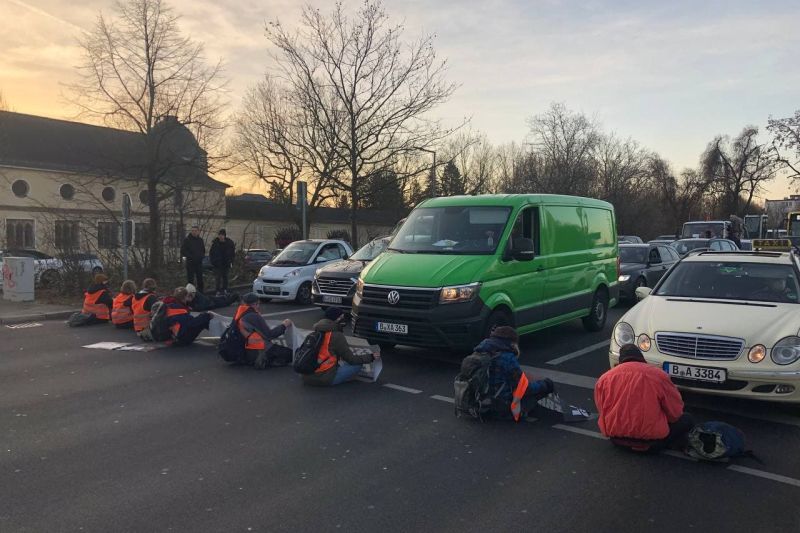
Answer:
(18, 274)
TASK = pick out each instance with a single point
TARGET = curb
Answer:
(54, 315)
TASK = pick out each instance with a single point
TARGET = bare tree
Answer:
(140, 74)
(738, 169)
(786, 142)
(365, 87)
(682, 196)
(475, 159)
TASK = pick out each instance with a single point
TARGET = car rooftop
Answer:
(634, 245)
(742, 256)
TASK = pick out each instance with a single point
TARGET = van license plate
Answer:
(698, 373)
(388, 327)
(332, 299)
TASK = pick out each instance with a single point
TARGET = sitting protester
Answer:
(122, 310)
(141, 305)
(512, 391)
(336, 361)
(260, 352)
(640, 408)
(97, 300)
(184, 327)
(200, 302)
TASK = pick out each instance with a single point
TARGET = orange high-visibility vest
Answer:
(516, 398)
(121, 312)
(91, 305)
(253, 340)
(325, 360)
(176, 327)
(141, 316)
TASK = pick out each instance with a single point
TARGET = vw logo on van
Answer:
(393, 297)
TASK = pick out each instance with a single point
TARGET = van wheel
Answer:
(304, 293)
(497, 318)
(598, 313)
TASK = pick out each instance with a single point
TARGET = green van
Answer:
(459, 266)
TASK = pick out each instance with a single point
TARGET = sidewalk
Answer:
(16, 312)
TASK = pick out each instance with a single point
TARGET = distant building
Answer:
(777, 210)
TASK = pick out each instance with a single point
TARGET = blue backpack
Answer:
(231, 345)
(716, 441)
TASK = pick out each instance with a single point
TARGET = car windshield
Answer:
(371, 250)
(452, 230)
(633, 254)
(708, 230)
(297, 253)
(684, 247)
(729, 280)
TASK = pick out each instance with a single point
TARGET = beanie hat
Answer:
(250, 298)
(505, 332)
(191, 289)
(631, 352)
(222, 232)
(100, 278)
(333, 313)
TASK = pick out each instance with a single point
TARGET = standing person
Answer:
(337, 362)
(122, 308)
(222, 253)
(640, 408)
(142, 304)
(260, 352)
(184, 327)
(736, 230)
(97, 300)
(193, 250)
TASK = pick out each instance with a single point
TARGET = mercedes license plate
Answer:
(388, 327)
(698, 373)
(332, 299)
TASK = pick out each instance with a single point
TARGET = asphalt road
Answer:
(176, 440)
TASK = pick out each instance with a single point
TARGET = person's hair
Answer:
(630, 352)
(180, 294)
(195, 226)
(149, 284)
(128, 287)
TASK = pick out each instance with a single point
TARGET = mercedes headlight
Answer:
(459, 293)
(786, 351)
(623, 334)
(293, 273)
(624, 277)
(757, 353)
(643, 342)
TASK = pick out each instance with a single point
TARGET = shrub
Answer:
(339, 234)
(285, 236)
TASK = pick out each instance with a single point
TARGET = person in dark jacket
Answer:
(194, 250)
(222, 253)
(338, 364)
(97, 300)
(200, 302)
(185, 327)
(515, 392)
(261, 353)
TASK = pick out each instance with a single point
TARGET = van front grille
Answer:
(409, 298)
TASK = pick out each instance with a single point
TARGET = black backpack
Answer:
(472, 388)
(158, 323)
(306, 358)
(232, 343)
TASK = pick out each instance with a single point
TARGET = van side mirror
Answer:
(522, 249)
(643, 292)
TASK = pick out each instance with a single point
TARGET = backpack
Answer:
(158, 324)
(306, 358)
(716, 441)
(472, 395)
(232, 343)
(80, 319)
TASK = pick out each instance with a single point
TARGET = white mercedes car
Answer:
(290, 274)
(724, 323)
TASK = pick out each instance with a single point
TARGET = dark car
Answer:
(642, 265)
(630, 239)
(685, 246)
(335, 283)
(254, 259)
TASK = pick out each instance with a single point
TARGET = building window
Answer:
(177, 199)
(141, 235)
(67, 191)
(20, 188)
(175, 235)
(19, 233)
(143, 198)
(109, 194)
(108, 235)
(66, 235)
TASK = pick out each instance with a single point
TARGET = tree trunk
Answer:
(155, 237)
(353, 222)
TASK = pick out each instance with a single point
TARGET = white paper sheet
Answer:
(107, 345)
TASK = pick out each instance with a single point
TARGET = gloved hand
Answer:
(549, 386)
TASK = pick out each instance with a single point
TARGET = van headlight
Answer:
(786, 351)
(623, 334)
(624, 277)
(459, 293)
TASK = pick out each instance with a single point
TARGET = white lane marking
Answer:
(575, 380)
(766, 475)
(293, 311)
(401, 388)
(580, 431)
(573, 355)
(443, 398)
(24, 325)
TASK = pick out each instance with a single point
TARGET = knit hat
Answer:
(191, 289)
(333, 313)
(631, 352)
(250, 298)
(222, 232)
(100, 278)
(505, 332)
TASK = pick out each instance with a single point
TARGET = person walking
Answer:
(640, 408)
(193, 250)
(222, 253)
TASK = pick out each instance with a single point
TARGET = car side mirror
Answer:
(346, 256)
(320, 259)
(522, 249)
(643, 292)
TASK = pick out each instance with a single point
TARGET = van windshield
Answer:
(703, 230)
(452, 230)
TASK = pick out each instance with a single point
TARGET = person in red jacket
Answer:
(640, 408)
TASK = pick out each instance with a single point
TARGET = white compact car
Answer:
(724, 323)
(289, 275)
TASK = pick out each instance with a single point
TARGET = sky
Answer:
(671, 75)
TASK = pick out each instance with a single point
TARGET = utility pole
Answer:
(126, 216)
(302, 193)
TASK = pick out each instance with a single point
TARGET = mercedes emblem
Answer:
(393, 297)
